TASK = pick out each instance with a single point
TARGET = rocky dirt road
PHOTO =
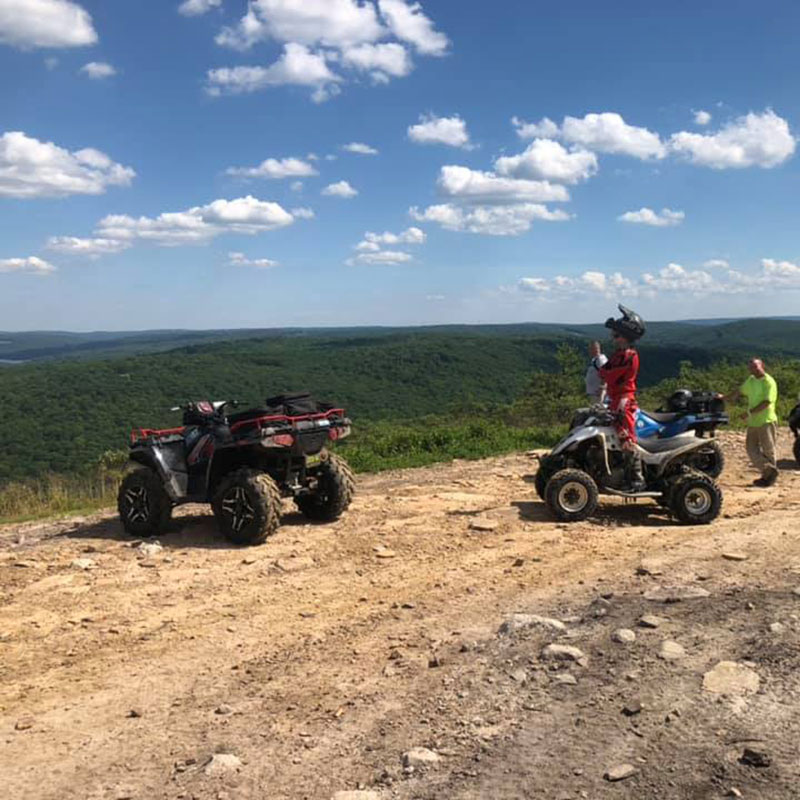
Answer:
(366, 656)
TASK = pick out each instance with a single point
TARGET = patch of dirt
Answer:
(310, 664)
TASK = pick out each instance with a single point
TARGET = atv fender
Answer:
(153, 457)
(605, 436)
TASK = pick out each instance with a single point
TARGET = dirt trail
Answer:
(319, 658)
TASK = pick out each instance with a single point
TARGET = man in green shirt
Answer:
(761, 393)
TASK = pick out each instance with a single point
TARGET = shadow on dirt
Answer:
(188, 530)
(648, 514)
(788, 464)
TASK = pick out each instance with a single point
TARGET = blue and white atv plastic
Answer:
(589, 461)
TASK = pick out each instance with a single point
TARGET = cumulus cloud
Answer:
(604, 133)
(199, 224)
(702, 117)
(31, 168)
(380, 257)
(29, 24)
(297, 66)
(384, 60)
(431, 129)
(781, 269)
(646, 216)
(89, 248)
(97, 70)
(340, 189)
(372, 242)
(241, 260)
(476, 187)
(33, 264)
(360, 148)
(754, 140)
(275, 169)
(409, 24)
(716, 263)
(302, 213)
(194, 8)
(504, 220)
(548, 159)
(590, 282)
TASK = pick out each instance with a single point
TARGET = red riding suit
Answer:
(620, 374)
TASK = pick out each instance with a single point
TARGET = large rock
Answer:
(620, 772)
(671, 651)
(420, 757)
(565, 652)
(623, 636)
(728, 677)
(519, 622)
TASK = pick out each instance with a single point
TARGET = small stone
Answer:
(223, 710)
(650, 566)
(623, 636)
(599, 607)
(731, 678)
(134, 713)
(486, 525)
(295, 564)
(518, 622)
(222, 763)
(733, 792)
(408, 605)
(796, 591)
(357, 794)
(518, 562)
(148, 563)
(520, 676)
(435, 661)
(565, 652)
(777, 627)
(731, 556)
(83, 563)
(24, 724)
(148, 549)
(565, 678)
(620, 773)
(755, 758)
(420, 757)
(383, 552)
(249, 560)
(632, 708)
(671, 651)
(674, 594)
(651, 621)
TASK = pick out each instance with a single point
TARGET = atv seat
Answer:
(663, 417)
(654, 444)
(250, 413)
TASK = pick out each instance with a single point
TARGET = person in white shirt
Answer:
(595, 386)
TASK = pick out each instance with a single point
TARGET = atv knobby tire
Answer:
(336, 486)
(695, 499)
(144, 506)
(247, 506)
(571, 495)
(708, 459)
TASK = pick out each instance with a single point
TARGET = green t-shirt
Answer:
(757, 390)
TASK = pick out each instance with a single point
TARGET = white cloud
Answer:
(544, 129)
(646, 216)
(275, 169)
(591, 282)
(241, 260)
(330, 23)
(502, 220)
(609, 133)
(409, 24)
(296, 186)
(37, 266)
(780, 269)
(545, 158)
(716, 263)
(754, 140)
(380, 60)
(431, 129)
(372, 242)
(194, 8)
(485, 188)
(674, 278)
(298, 66)
(91, 248)
(302, 213)
(28, 24)
(380, 257)
(702, 117)
(30, 168)
(360, 148)
(340, 189)
(199, 224)
(97, 70)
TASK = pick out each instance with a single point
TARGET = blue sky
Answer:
(168, 164)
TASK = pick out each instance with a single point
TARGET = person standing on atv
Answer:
(620, 374)
(595, 387)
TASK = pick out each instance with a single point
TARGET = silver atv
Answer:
(589, 461)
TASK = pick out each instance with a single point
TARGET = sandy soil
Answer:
(321, 657)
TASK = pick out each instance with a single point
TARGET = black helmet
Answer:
(679, 400)
(630, 324)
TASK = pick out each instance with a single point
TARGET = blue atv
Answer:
(688, 415)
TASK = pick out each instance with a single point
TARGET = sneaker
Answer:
(761, 483)
(771, 477)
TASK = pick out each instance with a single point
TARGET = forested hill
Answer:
(61, 415)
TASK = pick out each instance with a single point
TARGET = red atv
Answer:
(242, 463)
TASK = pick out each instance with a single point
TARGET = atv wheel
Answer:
(248, 506)
(796, 450)
(695, 499)
(143, 503)
(336, 486)
(708, 459)
(571, 495)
